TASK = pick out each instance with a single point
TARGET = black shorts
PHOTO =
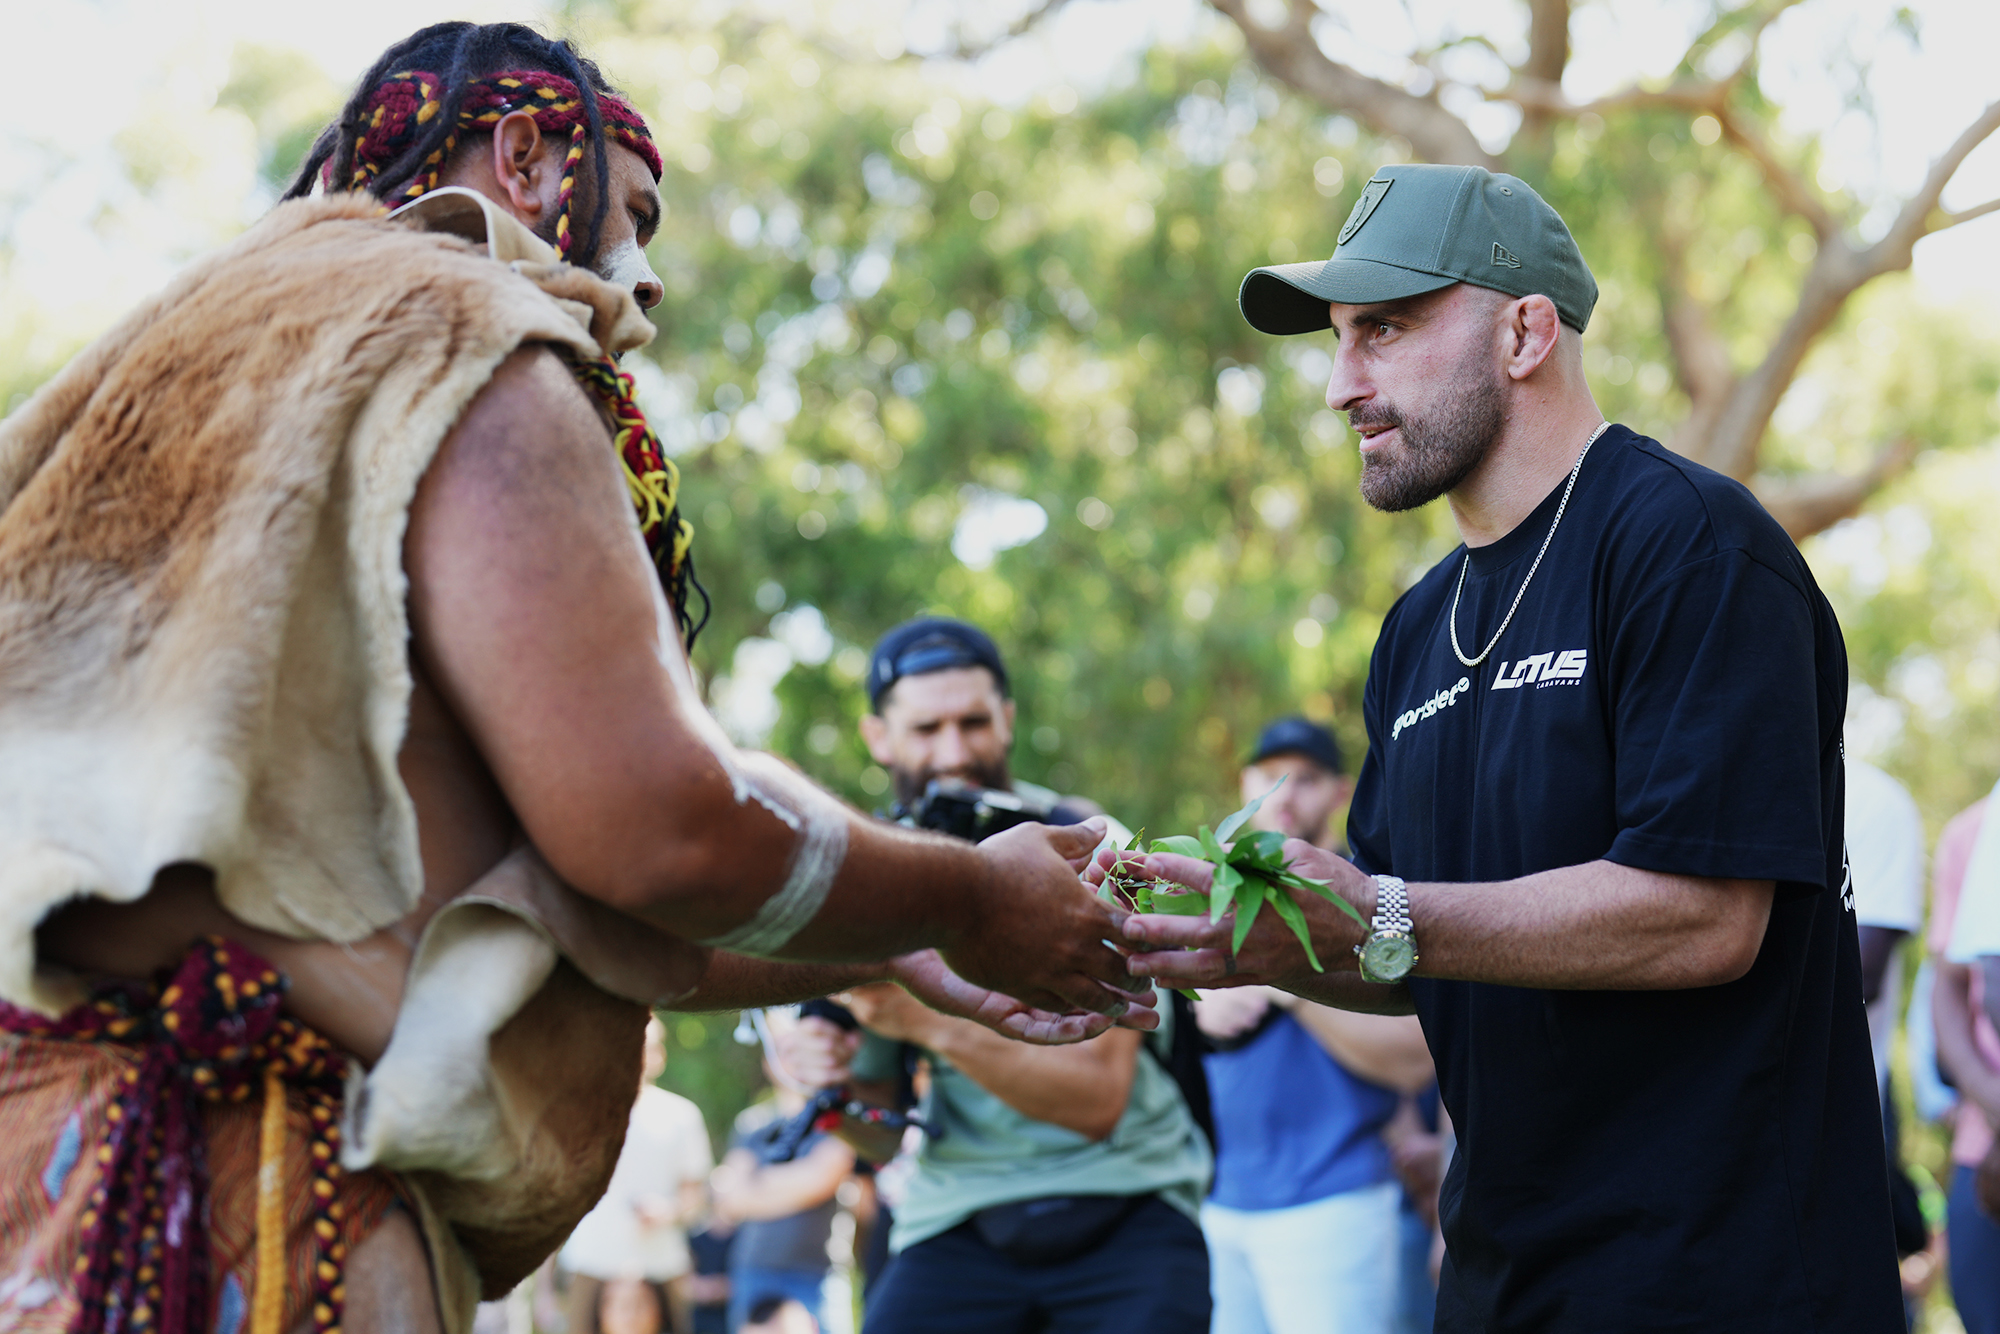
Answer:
(1150, 1276)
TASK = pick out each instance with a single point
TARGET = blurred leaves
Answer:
(899, 318)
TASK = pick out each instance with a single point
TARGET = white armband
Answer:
(821, 826)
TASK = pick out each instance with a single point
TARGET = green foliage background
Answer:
(889, 302)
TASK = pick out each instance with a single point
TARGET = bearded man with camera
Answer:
(1056, 1187)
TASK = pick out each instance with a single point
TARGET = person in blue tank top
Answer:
(1304, 1220)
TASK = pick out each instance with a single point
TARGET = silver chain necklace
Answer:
(1487, 652)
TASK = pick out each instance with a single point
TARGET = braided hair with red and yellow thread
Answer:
(395, 139)
(407, 101)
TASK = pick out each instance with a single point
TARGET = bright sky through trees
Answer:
(167, 58)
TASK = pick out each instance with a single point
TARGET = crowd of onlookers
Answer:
(1953, 1053)
(1272, 1168)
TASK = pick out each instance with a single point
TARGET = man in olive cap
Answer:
(1597, 834)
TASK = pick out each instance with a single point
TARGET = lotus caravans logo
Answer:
(1543, 670)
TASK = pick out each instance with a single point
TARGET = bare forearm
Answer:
(1082, 1088)
(1383, 1049)
(783, 1189)
(893, 890)
(736, 982)
(1878, 947)
(1951, 1014)
(1598, 926)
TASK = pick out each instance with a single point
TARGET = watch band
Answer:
(1392, 905)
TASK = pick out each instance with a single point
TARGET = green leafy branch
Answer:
(1249, 872)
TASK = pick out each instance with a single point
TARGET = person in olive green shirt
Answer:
(1056, 1188)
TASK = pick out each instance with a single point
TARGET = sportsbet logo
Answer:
(1544, 669)
(1444, 699)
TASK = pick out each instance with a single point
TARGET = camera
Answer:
(972, 813)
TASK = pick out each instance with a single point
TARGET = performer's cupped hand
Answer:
(1040, 936)
(925, 976)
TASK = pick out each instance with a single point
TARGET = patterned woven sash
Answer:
(211, 1031)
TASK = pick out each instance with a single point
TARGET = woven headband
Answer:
(405, 103)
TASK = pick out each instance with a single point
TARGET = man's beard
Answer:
(910, 783)
(1437, 451)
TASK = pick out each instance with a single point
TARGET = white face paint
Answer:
(627, 268)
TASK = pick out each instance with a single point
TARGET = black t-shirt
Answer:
(1669, 696)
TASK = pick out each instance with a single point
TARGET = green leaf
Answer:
(1231, 824)
(1180, 905)
(1184, 845)
(1211, 847)
(1265, 847)
(1227, 881)
(1142, 896)
(1295, 918)
(1325, 891)
(1248, 900)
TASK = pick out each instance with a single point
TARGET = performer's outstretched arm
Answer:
(537, 615)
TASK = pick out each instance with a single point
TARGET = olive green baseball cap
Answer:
(1418, 227)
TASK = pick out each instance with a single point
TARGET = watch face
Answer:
(1388, 958)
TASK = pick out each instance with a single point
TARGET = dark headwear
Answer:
(1299, 736)
(930, 644)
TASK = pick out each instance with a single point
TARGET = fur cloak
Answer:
(204, 658)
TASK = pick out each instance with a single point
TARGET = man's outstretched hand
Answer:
(1193, 952)
(1038, 934)
(925, 976)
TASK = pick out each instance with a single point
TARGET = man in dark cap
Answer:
(1057, 1183)
(1598, 831)
(939, 707)
(1298, 770)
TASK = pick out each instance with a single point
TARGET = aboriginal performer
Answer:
(356, 799)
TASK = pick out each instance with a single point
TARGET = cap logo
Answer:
(1504, 258)
(1364, 207)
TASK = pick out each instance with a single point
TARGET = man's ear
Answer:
(1531, 332)
(525, 167)
(875, 735)
(1007, 712)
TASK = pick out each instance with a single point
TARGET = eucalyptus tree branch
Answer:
(1766, 14)
(1771, 15)
(1426, 54)
(1291, 55)
(1547, 97)
(1548, 56)
(1949, 220)
(1807, 505)
(1917, 218)
(1839, 269)
(1710, 97)
(1020, 27)
(1548, 40)
(1792, 189)
(1701, 357)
